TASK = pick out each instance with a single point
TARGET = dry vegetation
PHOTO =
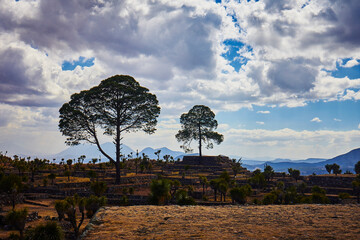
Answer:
(227, 222)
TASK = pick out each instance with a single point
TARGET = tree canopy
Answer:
(117, 105)
(199, 125)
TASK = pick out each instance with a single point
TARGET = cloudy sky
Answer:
(283, 77)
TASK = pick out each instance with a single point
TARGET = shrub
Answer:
(17, 219)
(47, 231)
(270, 198)
(93, 203)
(60, 207)
(99, 188)
(318, 195)
(160, 191)
(344, 195)
(182, 198)
(239, 194)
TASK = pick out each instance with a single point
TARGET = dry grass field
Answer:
(227, 222)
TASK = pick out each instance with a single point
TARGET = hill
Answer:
(91, 151)
(313, 165)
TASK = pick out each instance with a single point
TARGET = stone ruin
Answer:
(210, 161)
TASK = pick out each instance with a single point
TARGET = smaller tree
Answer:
(328, 168)
(268, 172)
(294, 173)
(17, 219)
(93, 203)
(356, 188)
(69, 162)
(239, 194)
(204, 182)
(160, 191)
(99, 188)
(357, 167)
(236, 166)
(52, 177)
(68, 207)
(199, 125)
(336, 169)
(67, 173)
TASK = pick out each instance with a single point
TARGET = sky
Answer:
(283, 77)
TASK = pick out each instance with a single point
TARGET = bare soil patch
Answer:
(227, 222)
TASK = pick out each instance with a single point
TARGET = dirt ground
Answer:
(227, 222)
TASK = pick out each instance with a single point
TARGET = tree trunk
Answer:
(117, 146)
(118, 173)
(200, 154)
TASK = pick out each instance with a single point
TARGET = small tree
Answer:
(356, 188)
(294, 173)
(68, 207)
(67, 173)
(258, 180)
(199, 125)
(17, 219)
(160, 191)
(328, 168)
(93, 203)
(157, 153)
(99, 188)
(336, 169)
(268, 172)
(357, 167)
(236, 166)
(318, 195)
(52, 177)
(69, 162)
(34, 166)
(239, 194)
(214, 184)
(204, 182)
(11, 185)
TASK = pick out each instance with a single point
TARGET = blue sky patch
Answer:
(341, 72)
(335, 115)
(82, 62)
(236, 60)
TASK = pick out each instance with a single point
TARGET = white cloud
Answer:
(337, 120)
(289, 143)
(260, 123)
(351, 63)
(359, 126)
(315, 119)
(263, 112)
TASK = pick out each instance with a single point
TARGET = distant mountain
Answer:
(313, 165)
(91, 151)
(150, 152)
(311, 160)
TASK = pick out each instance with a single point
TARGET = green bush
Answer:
(99, 188)
(93, 203)
(47, 231)
(344, 195)
(182, 198)
(270, 198)
(160, 191)
(239, 194)
(17, 219)
(60, 207)
(319, 195)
